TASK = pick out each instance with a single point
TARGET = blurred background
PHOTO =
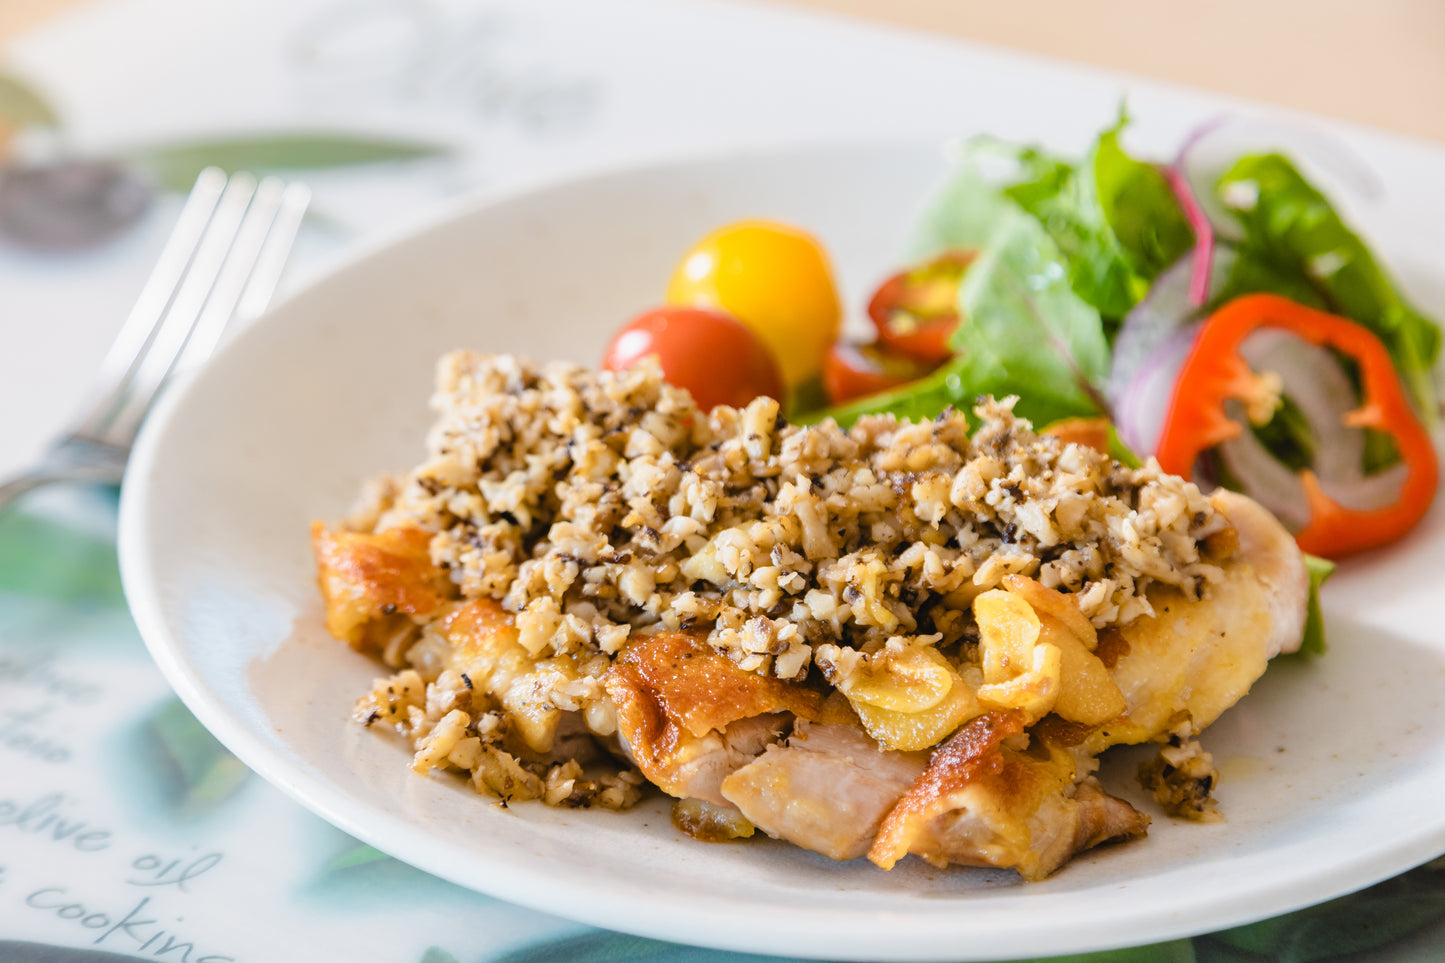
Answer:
(1381, 63)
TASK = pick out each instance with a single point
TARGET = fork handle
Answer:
(75, 459)
(13, 488)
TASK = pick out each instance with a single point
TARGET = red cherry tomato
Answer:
(916, 311)
(857, 370)
(711, 354)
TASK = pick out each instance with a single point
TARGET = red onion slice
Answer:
(1203, 254)
(1369, 492)
(1314, 380)
(1144, 401)
(1163, 311)
(1262, 476)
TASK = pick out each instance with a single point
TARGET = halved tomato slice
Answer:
(857, 370)
(916, 311)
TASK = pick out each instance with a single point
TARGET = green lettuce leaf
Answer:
(1289, 224)
(1139, 208)
(1069, 209)
(1121, 452)
(1028, 332)
(1253, 272)
(1043, 176)
(966, 210)
(916, 401)
(1314, 638)
(1114, 218)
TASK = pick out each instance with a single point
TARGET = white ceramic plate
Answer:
(1331, 765)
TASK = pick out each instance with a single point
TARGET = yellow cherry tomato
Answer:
(773, 278)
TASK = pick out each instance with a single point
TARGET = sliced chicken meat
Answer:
(688, 717)
(695, 766)
(827, 788)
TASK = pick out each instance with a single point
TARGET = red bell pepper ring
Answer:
(1214, 372)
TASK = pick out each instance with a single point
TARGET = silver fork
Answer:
(222, 261)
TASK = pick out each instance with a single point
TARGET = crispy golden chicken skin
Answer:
(370, 583)
(983, 803)
(689, 716)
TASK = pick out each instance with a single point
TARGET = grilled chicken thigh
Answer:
(1008, 789)
(992, 796)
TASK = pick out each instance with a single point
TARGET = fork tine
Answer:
(272, 259)
(237, 268)
(223, 258)
(185, 310)
(254, 266)
(135, 333)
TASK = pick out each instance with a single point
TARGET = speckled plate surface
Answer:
(1329, 765)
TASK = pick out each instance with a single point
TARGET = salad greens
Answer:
(1066, 251)
(1069, 248)
(1016, 299)
(1319, 569)
(1114, 218)
(1140, 207)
